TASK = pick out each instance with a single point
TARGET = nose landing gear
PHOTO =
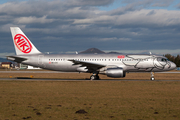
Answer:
(152, 76)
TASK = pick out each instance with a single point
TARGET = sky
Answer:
(67, 26)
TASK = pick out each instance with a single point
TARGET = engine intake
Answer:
(115, 72)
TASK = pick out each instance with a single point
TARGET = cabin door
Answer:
(40, 61)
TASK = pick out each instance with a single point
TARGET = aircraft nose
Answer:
(173, 66)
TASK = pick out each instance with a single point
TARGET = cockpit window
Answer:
(162, 59)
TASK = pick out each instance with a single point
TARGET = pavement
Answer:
(37, 79)
(65, 72)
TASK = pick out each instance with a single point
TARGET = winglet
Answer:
(21, 42)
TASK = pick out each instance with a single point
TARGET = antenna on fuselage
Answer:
(76, 52)
(150, 53)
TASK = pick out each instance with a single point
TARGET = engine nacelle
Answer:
(115, 72)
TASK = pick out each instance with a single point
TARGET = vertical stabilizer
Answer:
(21, 42)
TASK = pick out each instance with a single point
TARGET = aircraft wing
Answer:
(89, 65)
(16, 59)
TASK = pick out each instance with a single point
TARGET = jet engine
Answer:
(115, 72)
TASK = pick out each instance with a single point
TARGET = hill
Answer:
(93, 50)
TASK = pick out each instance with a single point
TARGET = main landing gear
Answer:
(94, 76)
(152, 76)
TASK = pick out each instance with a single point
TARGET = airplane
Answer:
(112, 65)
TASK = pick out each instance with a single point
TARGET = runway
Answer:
(178, 72)
(75, 80)
(37, 76)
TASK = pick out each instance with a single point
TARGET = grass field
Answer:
(93, 100)
(102, 100)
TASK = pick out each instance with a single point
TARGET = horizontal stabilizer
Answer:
(16, 59)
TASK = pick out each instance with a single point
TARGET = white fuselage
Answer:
(130, 63)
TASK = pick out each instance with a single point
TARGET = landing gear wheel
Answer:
(152, 78)
(97, 77)
(94, 77)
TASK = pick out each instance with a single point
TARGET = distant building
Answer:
(6, 65)
(22, 66)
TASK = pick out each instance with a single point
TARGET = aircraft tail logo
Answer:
(21, 42)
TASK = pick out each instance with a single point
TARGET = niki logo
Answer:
(121, 56)
(22, 43)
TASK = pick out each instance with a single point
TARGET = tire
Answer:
(92, 77)
(97, 77)
(152, 78)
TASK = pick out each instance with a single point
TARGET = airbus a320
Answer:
(112, 65)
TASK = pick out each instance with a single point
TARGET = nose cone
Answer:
(173, 66)
(170, 66)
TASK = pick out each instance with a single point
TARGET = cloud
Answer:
(162, 3)
(75, 25)
(115, 38)
(3, 55)
(90, 2)
(139, 18)
(178, 5)
(149, 3)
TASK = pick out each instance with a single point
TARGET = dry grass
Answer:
(102, 100)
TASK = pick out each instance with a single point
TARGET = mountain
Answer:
(93, 50)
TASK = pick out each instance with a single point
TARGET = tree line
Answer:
(175, 59)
